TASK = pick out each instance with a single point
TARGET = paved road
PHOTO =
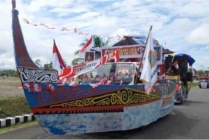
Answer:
(189, 120)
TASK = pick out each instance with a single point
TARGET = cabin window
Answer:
(97, 74)
(116, 72)
(123, 73)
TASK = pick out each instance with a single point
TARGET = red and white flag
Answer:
(176, 65)
(64, 29)
(57, 62)
(102, 82)
(87, 46)
(75, 30)
(88, 66)
(26, 21)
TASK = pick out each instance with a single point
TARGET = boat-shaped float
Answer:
(90, 107)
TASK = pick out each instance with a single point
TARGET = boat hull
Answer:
(131, 118)
(83, 109)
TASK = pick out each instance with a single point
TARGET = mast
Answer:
(22, 57)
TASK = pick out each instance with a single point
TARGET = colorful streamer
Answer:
(75, 30)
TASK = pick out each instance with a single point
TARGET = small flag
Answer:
(26, 21)
(75, 30)
(87, 45)
(64, 29)
(176, 65)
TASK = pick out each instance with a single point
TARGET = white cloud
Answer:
(200, 35)
(181, 24)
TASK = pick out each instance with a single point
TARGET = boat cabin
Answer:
(113, 73)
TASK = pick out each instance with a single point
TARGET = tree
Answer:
(200, 71)
(38, 63)
(77, 61)
(9, 73)
(98, 42)
(48, 66)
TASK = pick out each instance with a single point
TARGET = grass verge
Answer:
(6, 129)
(13, 106)
(193, 84)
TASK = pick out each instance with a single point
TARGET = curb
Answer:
(10, 121)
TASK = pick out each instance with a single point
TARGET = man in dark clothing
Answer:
(184, 82)
(184, 79)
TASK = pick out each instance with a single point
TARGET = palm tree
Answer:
(82, 44)
(77, 61)
(98, 42)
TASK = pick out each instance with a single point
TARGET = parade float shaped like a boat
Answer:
(91, 107)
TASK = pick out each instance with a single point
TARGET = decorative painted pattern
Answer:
(28, 75)
(114, 101)
(121, 97)
(59, 94)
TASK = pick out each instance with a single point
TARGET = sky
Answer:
(182, 24)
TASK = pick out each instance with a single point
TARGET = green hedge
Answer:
(13, 106)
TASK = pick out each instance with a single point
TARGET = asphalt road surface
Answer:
(189, 120)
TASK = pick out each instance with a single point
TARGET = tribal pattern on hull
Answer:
(28, 75)
(114, 101)
(122, 97)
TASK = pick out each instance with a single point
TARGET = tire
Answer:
(179, 99)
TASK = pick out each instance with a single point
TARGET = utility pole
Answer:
(202, 68)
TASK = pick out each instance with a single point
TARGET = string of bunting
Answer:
(75, 30)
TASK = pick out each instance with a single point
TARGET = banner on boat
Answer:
(126, 51)
(88, 66)
(167, 102)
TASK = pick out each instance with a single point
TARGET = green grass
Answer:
(9, 87)
(193, 84)
(13, 106)
(6, 129)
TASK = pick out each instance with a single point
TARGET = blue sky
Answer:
(182, 24)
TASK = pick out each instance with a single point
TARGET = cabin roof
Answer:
(167, 51)
(138, 40)
(131, 40)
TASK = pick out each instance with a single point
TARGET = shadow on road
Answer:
(175, 123)
(189, 102)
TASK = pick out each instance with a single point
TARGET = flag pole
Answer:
(145, 47)
(143, 53)
(13, 4)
